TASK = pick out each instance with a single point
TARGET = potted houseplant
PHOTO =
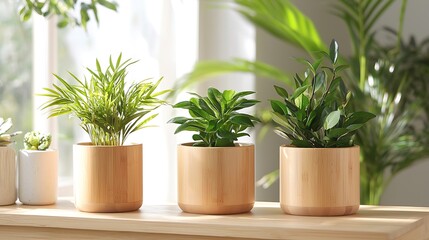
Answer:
(215, 174)
(107, 170)
(7, 164)
(38, 170)
(319, 170)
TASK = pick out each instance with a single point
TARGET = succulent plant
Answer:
(37, 141)
(215, 117)
(6, 138)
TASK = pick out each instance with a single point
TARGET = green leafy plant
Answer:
(65, 9)
(5, 126)
(109, 109)
(37, 141)
(316, 114)
(215, 117)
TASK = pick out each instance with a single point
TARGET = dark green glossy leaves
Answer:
(215, 117)
(316, 114)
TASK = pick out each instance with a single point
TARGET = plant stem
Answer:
(401, 23)
(362, 46)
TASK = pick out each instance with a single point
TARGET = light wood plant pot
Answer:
(8, 192)
(319, 181)
(108, 178)
(38, 177)
(216, 180)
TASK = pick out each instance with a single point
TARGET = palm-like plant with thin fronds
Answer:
(109, 108)
(390, 142)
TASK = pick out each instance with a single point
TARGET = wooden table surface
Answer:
(266, 221)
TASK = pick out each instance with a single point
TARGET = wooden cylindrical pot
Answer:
(108, 178)
(319, 181)
(38, 177)
(216, 180)
(8, 193)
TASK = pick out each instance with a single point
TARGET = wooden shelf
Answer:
(266, 221)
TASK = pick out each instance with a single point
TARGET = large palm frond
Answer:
(206, 69)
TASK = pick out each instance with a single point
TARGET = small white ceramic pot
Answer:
(7, 176)
(38, 177)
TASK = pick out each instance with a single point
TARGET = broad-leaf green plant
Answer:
(35, 140)
(109, 107)
(5, 126)
(215, 117)
(316, 114)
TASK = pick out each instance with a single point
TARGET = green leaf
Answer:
(283, 20)
(358, 118)
(228, 95)
(223, 142)
(354, 127)
(299, 91)
(333, 51)
(242, 120)
(178, 120)
(63, 23)
(292, 108)
(206, 107)
(109, 5)
(332, 119)
(184, 105)
(337, 132)
(204, 70)
(197, 137)
(341, 67)
(214, 96)
(279, 107)
(192, 126)
(302, 101)
(319, 81)
(301, 143)
(281, 91)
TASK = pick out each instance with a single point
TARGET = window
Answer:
(15, 69)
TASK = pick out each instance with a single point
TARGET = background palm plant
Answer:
(381, 78)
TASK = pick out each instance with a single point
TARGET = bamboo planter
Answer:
(319, 181)
(216, 180)
(108, 178)
(8, 192)
(38, 177)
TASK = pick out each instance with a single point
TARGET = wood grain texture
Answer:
(319, 181)
(216, 180)
(108, 178)
(266, 221)
(8, 191)
(33, 233)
